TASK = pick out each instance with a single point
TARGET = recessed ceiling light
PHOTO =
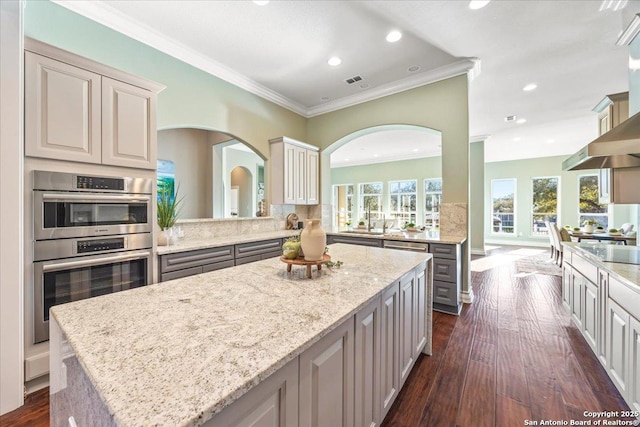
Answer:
(415, 150)
(334, 61)
(478, 4)
(529, 87)
(364, 85)
(376, 155)
(394, 36)
(521, 121)
(517, 138)
(346, 160)
(325, 98)
(413, 68)
(261, 2)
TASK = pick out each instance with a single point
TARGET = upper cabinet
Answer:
(78, 110)
(295, 171)
(612, 110)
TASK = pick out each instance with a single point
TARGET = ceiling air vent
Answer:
(510, 119)
(353, 79)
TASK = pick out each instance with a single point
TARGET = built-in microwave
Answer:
(72, 205)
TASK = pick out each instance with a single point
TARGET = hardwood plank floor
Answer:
(513, 355)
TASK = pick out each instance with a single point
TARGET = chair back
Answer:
(553, 239)
(625, 228)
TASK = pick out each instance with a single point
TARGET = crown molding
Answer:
(478, 138)
(455, 69)
(630, 33)
(106, 15)
(112, 18)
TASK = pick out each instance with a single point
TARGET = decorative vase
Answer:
(313, 240)
(163, 238)
(588, 228)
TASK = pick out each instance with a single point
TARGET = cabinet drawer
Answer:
(180, 273)
(440, 250)
(362, 241)
(248, 259)
(586, 268)
(626, 297)
(257, 248)
(272, 254)
(444, 293)
(217, 266)
(445, 270)
(182, 260)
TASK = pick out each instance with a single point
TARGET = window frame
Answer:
(399, 215)
(532, 213)
(607, 214)
(515, 207)
(435, 219)
(362, 210)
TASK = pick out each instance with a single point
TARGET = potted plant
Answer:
(168, 210)
(348, 224)
(588, 225)
(361, 224)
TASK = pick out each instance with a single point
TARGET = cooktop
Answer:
(615, 253)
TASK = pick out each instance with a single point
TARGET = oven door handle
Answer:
(89, 262)
(94, 198)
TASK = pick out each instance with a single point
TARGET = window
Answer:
(589, 207)
(544, 204)
(403, 197)
(503, 197)
(370, 200)
(343, 204)
(432, 200)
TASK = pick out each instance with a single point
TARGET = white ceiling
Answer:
(280, 52)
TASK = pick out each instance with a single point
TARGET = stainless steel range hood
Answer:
(618, 148)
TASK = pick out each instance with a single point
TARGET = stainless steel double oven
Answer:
(92, 236)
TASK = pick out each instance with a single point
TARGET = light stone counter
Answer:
(629, 273)
(423, 236)
(193, 243)
(178, 352)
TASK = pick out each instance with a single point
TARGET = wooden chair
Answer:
(563, 236)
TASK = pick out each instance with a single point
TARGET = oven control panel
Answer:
(99, 183)
(88, 246)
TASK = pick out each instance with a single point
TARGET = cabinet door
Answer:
(272, 403)
(313, 174)
(567, 286)
(326, 389)
(420, 328)
(591, 319)
(634, 366)
(617, 339)
(389, 345)
(577, 299)
(367, 366)
(604, 186)
(62, 111)
(603, 291)
(300, 175)
(289, 171)
(407, 323)
(129, 134)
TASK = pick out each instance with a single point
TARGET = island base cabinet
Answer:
(367, 366)
(408, 312)
(326, 393)
(617, 339)
(567, 286)
(389, 346)
(634, 365)
(591, 315)
(272, 403)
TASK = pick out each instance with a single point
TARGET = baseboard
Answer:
(467, 296)
(478, 251)
(36, 366)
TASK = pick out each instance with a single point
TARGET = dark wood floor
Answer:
(512, 356)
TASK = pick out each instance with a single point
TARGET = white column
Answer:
(11, 214)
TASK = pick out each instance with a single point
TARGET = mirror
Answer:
(393, 172)
(218, 175)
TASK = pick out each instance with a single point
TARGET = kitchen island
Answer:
(215, 348)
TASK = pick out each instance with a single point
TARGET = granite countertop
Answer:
(595, 253)
(178, 352)
(422, 236)
(184, 245)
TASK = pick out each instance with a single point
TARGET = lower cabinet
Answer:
(633, 398)
(567, 285)
(272, 403)
(183, 264)
(389, 347)
(617, 339)
(367, 368)
(362, 241)
(591, 321)
(256, 251)
(326, 393)
(408, 313)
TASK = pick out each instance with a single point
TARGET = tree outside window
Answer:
(589, 206)
(432, 200)
(503, 205)
(370, 200)
(403, 195)
(544, 204)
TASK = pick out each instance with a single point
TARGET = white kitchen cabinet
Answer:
(367, 365)
(62, 110)
(591, 319)
(603, 291)
(577, 298)
(389, 345)
(407, 325)
(633, 398)
(612, 110)
(326, 391)
(129, 136)
(421, 299)
(617, 340)
(272, 403)
(81, 111)
(294, 170)
(567, 286)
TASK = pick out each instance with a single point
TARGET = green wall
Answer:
(476, 198)
(418, 169)
(193, 98)
(523, 171)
